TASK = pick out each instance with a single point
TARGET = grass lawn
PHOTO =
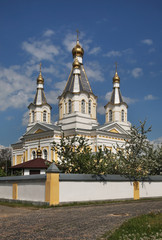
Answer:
(145, 227)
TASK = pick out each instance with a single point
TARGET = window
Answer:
(45, 154)
(122, 115)
(69, 106)
(34, 171)
(44, 116)
(32, 116)
(83, 106)
(33, 155)
(110, 115)
(89, 106)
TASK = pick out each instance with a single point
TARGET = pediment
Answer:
(112, 128)
(38, 128)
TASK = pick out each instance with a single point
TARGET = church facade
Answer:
(77, 116)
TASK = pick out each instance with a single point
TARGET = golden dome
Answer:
(40, 79)
(116, 78)
(77, 50)
(39, 152)
(76, 63)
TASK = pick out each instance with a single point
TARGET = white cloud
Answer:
(60, 85)
(101, 110)
(41, 50)
(94, 71)
(150, 97)
(25, 119)
(108, 96)
(113, 54)
(128, 100)
(69, 42)
(9, 118)
(151, 50)
(147, 42)
(48, 33)
(137, 72)
(95, 51)
(52, 97)
(16, 88)
(157, 141)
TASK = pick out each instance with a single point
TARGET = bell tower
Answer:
(39, 110)
(116, 108)
(77, 104)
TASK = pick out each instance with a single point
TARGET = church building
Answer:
(77, 116)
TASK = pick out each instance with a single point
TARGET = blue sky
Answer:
(126, 32)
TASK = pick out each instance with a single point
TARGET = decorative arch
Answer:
(110, 115)
(32, 116)
(83, 106)
(45, 154)
(44, 116)
(70, 106)
(33, 154)
(122, 115)
(89, 106)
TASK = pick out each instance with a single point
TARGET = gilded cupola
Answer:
(39, 151)
(116, 78)
(40, 79)
(77, 50)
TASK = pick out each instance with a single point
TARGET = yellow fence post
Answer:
(14, 191)
(136, 190)
(52, 185)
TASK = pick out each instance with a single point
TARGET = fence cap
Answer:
(53, 169)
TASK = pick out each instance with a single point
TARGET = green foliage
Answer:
(2, 172)
(75, 156)
(147, 227)
(137, 158)
(5, 161)
(157, 169)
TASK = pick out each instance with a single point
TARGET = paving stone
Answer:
(69, 223)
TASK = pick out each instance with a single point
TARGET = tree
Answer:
(158, 156)
(75, 156)
(5, 161)
(137, 158)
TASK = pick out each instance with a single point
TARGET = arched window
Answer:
(45, 154)
(122, 115)
(110, 115)
(33, 155)
(89, 106)
(83, 106)
(69, 106)
(44, 116)
(32, 117)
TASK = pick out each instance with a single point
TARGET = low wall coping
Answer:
(112, 178)
(82, 177)
(23, 178)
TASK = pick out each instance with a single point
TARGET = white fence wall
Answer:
(31, 191)
(30, 188)
(150, 189)
(79, 187)
(5, 190)
(94, 191)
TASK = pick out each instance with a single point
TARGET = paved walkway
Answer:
(69, 223)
